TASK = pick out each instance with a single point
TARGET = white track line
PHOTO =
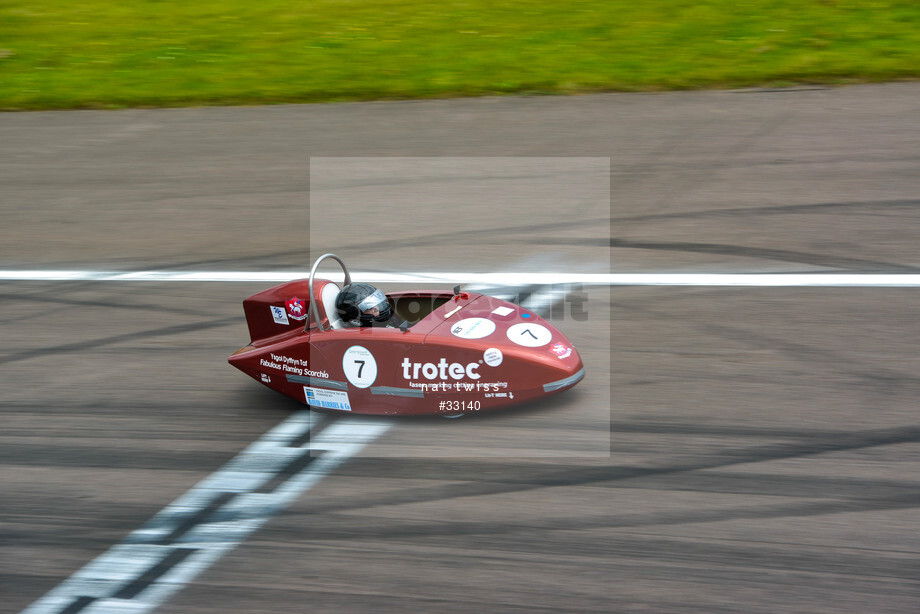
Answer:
(168, 552)
(188, 536)
(783, 280)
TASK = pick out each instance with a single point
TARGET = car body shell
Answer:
(463, 353)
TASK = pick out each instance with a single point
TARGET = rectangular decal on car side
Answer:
(327, 399)
(279, 315)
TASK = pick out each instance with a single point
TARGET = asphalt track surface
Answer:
(763, 443)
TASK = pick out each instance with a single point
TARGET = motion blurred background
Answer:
(764, 446)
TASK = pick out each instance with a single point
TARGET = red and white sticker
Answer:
(561, 350)
(473, 328)
(529, 335)
(296, 308)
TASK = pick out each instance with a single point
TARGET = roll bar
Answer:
(314, 310)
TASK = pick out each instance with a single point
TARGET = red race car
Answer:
(445, 353)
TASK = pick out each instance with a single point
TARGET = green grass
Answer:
(103, 54)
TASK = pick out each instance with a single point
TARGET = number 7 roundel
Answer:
(359, 366)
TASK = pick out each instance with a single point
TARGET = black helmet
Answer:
(355, 299)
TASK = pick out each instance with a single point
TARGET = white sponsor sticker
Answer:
(359, 366)
(266, 378)
(279, 315)
(327, 399)
(492, 357)
(502, 310)
(473, 328)
(529, 335)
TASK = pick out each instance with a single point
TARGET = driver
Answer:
(365, 305)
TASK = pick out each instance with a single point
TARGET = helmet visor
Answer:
(377, 299)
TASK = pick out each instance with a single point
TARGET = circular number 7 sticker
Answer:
(530, 335)
(359, 366)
